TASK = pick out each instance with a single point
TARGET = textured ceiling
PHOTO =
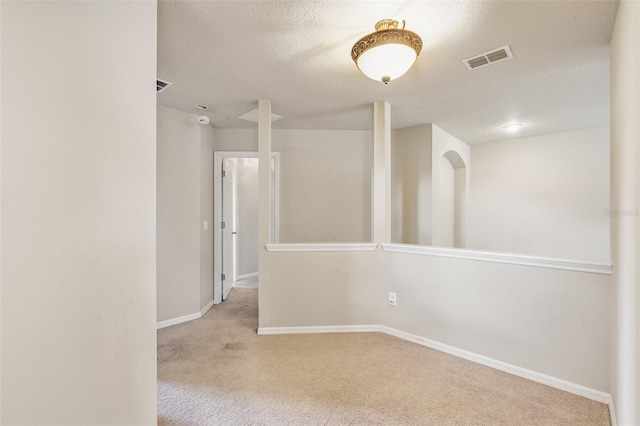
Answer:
(228, 54)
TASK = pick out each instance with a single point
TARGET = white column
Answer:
(264, 198)
(264, 172)
(381, 178)
(625, 202)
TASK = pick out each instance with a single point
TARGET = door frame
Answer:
(234, 225)
(229, 193)
(218, 157)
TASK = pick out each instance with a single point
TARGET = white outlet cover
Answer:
(393, 298)
(206, 225)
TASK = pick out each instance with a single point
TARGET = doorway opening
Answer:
(236, 219)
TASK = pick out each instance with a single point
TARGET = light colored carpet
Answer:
(217, 371)
(251, 282)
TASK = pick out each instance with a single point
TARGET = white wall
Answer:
(185, 201)
(625, 198)
(247, 184)
(78, 213)
(325, 175)
(543, 195)
(411, 192)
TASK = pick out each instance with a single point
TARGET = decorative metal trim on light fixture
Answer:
(387, 53)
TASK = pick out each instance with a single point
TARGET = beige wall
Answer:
(443, 190)
(550, 321)
(319, 288)
(411, 193)
(206, 214)
(325, 175)
(1, 221)
(544, 195)
(78, 213)
(247, 185)
(445, 210)
(185, 201)
(178, 170)
(325, 185)
(235, 139)
(428, 192)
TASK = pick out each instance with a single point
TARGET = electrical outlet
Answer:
(392, 299)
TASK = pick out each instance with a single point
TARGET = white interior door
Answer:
(227, 227)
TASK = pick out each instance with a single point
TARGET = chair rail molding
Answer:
(293, 247)
(512, 259)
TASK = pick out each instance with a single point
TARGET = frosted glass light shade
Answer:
(388, 60)
(387, 53)
(513, 127)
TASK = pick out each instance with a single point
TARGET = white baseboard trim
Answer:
(612, 412)
(178, 320)
(206, 309)
(245, 276)
(320, 329)
(460, 353)
(184, 318)
(502, 366)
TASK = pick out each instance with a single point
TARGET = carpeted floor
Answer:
(251, 282)
(217, 371)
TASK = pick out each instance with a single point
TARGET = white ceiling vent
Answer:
(161, 85)
(487, 58)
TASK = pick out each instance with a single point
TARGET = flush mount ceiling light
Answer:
(387, 53)
(512, 128)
